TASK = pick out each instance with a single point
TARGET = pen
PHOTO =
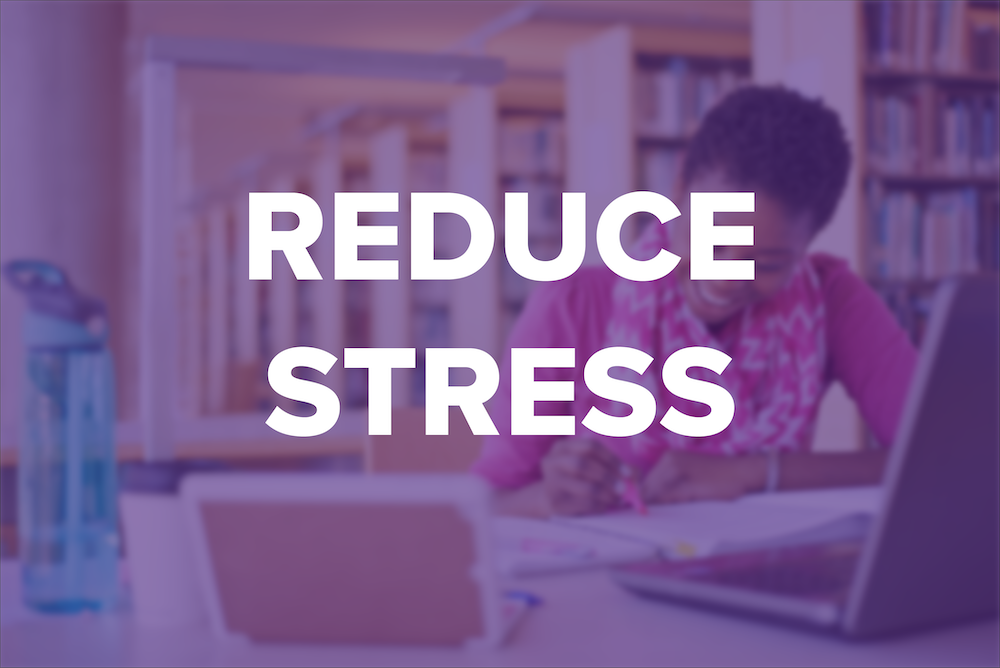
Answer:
(556, 548)
(515, 605)
(525, 597)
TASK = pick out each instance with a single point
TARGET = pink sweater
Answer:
(867, 352)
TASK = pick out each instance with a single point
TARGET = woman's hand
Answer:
(579, 477)
(687, 476)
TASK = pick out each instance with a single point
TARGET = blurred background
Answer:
(133, 131)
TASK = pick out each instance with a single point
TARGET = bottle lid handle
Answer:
(49, 291)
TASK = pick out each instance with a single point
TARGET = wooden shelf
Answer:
(514, 110)
(693, 42)
(660, 140)
(917, 284)
(544, 177)
(877, 75)
(902, 204)
(647, 60)
(934, 180)
(907, 284)
(547, 172)
(243, 450)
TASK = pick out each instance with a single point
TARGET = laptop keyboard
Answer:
(825, 576)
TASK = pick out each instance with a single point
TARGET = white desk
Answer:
(586, 620)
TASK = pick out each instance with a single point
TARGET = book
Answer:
(683, 531)
(927, 236)
(673, 96)
(660, 170)
(536, 547)
(531, 144)
(915, 35)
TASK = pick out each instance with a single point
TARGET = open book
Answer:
(685, 530)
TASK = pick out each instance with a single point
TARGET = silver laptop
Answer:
(931, 556)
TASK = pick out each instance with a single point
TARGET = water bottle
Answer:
(67, 486)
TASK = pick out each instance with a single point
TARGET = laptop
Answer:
(372, 560)
(931, 555)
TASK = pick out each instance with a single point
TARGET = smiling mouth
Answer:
(707, 295)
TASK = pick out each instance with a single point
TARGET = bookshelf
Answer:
(484, 145)
(357, 316)
(158, 428)
(235, 326)
(472, 159)
(405, 153)
(634, 97)
(231, 325)
(531, 142)
(430, 310)
(915, 210)
(390, 301)
(499, 142)
(931, 89)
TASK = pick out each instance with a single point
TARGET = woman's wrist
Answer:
(527, 501)
(757, 472)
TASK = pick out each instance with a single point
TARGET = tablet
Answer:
(315, 557)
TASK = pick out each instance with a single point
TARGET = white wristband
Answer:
(773, 471)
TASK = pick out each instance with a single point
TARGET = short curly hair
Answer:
(775, 140)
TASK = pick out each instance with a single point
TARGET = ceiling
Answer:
(232, 116)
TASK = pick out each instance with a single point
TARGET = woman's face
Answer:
(780, 240)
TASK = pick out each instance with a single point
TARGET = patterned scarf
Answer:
(776, 376)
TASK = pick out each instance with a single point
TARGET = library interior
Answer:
(133, 135)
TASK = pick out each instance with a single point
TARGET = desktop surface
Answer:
(585, 619)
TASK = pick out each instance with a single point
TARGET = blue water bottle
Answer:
(67, 486)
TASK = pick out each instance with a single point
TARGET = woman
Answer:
(802, 323)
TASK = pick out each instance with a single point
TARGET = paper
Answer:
(685, 530)
(165, 590)
(514, 606)
(12, 607)
(527, 547)
(710, 527)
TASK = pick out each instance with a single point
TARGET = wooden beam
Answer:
(157, 307)
(293, 59)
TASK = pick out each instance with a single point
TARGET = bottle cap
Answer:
(58, 316)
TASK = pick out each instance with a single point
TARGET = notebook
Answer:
(537, 547)
(680, 531)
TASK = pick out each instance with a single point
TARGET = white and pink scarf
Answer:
(776, 376)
